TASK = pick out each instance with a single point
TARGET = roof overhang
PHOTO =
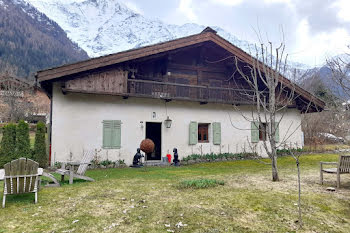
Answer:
(207, 34)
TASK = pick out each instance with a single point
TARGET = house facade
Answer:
(181, 94)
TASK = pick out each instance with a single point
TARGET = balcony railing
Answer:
(164, 90)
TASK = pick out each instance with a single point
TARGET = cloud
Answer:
(313, 49)
(344, 9)
(322, 16)
(227, 2)
(134, 7)
(312, 28)
(186, 8)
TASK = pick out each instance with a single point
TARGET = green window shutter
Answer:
(216, 133)
(193, 133)
(107, 134)
(254, 131)
(116, 135)
(112, 134)
(277, 132)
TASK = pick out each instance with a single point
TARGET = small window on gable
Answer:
(262, 131)
(203, 135)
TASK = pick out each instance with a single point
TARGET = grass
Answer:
(326, 147)
(200, 183)
(149, 200)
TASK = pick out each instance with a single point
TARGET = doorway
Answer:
(154, 132)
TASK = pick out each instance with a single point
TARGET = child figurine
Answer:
(176, 158)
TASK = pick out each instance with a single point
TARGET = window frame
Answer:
(263, 131)
(115, 133)
(203, 128)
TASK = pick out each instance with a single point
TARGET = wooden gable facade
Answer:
(193, 68)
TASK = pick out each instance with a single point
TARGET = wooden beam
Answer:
(196, 68)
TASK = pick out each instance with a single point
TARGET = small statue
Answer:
(137, 159)
(176, 158)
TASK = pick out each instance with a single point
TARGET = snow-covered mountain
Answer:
(103, 27)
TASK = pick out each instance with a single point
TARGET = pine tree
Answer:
(40, 145)
(22, 140)
(8, 144)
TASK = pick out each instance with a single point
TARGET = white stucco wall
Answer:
(77, 125)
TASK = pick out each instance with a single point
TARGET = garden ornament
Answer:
(176, 158)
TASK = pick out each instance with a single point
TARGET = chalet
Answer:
(21, 99)
(170, 92)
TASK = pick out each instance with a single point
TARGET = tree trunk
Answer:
(299, 194)
(274, 168)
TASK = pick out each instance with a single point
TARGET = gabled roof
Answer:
(19, 81)
(208, 34)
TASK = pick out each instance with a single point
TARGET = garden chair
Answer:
(343, 167)
(80, 173)
(21, 176)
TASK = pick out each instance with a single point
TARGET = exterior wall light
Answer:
(168, 122)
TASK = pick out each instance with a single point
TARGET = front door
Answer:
(154, 132)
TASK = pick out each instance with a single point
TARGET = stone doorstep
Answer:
(156, 163)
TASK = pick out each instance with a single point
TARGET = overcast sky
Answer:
(313, 29)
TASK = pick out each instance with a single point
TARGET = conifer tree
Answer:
(8, 144)
(22, 140)
(40, 145)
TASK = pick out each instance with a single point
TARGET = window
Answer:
(262, 131)
(111, 134)
(203, 135)
(259, 131)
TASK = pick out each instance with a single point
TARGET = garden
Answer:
(224, 196)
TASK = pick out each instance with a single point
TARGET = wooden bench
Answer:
(21, 176)
(343, 167)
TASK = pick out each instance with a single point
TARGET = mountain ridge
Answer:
(30, 41)
(104, 27)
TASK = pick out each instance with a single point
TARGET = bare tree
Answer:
(340, 67)
(14, 102)
(271, 95)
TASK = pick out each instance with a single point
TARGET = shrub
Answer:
(8, 144)
(200, 183)
(106, 162)
(58, 165)
(120, 162)
(212, 156)
(40, 155)
(22, 140)
(282, 152)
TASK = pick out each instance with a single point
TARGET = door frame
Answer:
(161, 138)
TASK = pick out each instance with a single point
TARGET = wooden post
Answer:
(3, 201)
(71, 168)
(338, 171)
(321, 173)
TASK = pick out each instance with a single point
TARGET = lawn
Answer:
(150, 200)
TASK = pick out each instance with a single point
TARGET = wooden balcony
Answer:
(160, 90)
(203, 94)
